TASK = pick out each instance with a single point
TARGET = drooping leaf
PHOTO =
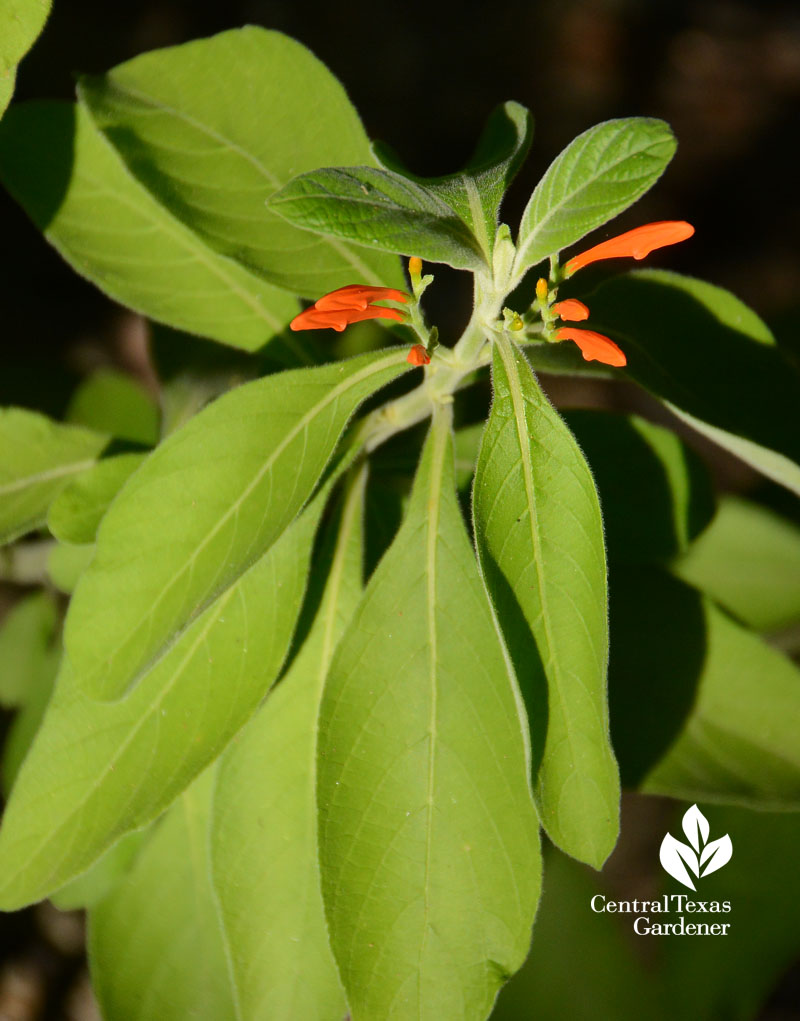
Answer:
(702, 708)
(598, 175)
(264, 844)
(203, 507)
(428, 844)
(25, 635)
(711, 360)
(655, 492)
(98, 770)
(748, 560)
(113, 403)
(75, 187)
(38, 457)
(21, 21)
(540, 540)
(155, 943)
(213, 147)
(77, 511)
(381, 210)
(475, 193)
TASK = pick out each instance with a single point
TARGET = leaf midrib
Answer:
(73, 468)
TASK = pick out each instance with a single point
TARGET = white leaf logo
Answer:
(701, 858)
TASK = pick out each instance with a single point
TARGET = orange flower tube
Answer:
(418, 355)
(572, 310)
(357, 296)
(636, 243)
(594, 346)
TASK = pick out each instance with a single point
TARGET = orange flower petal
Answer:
(355, 315)
(357, 296)
(571, 309)
(594, 346)
(636, 243)
(418, 355)
(312, 319)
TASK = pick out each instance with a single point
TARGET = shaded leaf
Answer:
(748, 561)
(113, 403)
(38, 457)
(25, 636)
(540, 540)
(711, 360)
(428, 845)
(213, 148)
(155, 943)
(67, 562)
(655, 492)
(22, 21)
(598, 175)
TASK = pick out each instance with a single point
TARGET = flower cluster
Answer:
(636, 243)
(350, 304)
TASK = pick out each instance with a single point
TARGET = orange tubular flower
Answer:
(636, 243)
(572, 310)
(350, 304)
(594, 346)
(418, 355)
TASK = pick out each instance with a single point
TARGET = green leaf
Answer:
(655, 492)
(582, 963)
(110, 229)
(540, 540)
(113, 403)
(67, 562)
(701, 708)
(38, 458)
(264, 832)
(184, 617)
(475, 193)
(97, 882)
(711, 360)
(100, 769)
(155, 945)
(428, 842)
(598, 175)
(748, 560)
(22, 21)
(203, 507)
(77, 511)
(382, 210)
(213, 149)
(25, 636)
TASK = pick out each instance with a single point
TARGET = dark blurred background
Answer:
(424, 76)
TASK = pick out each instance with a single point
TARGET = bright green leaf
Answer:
(598, 175)
(21, 21)
(184, 617)
(78, 509)
(382, 210)
(97, 882)
(113, 403)
(26, 633)
(100, 769)
(212, 147)
(155, 944)
(540, 541)
(38, 458)
(655, 492)
(264, 833)
(203, 507)
(428, 843)
(748, 560)
(711, 360)
(475, 193)
(73, 184)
